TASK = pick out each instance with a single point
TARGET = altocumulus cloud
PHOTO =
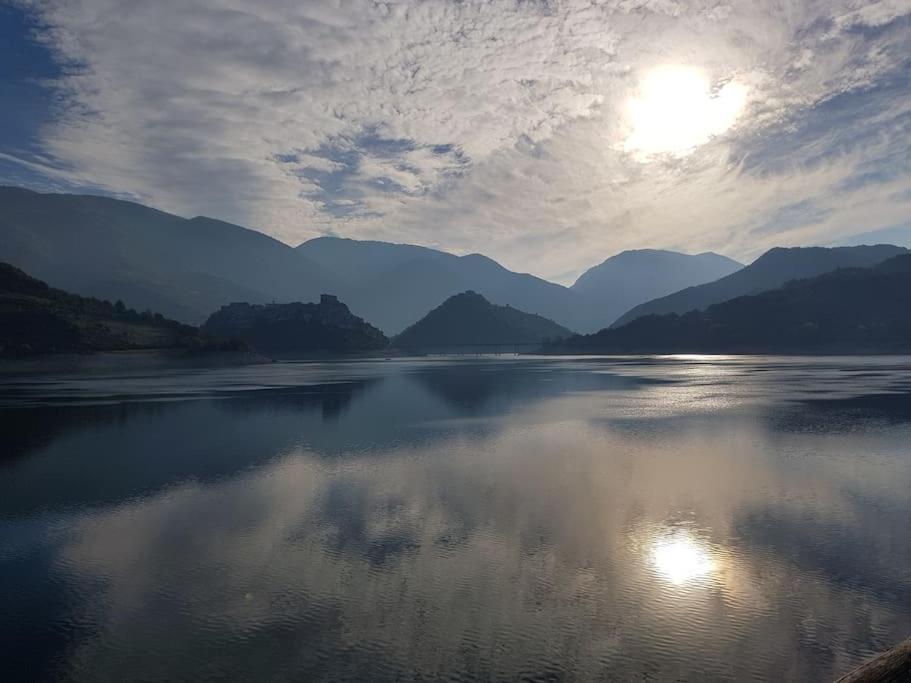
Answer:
(491, 126)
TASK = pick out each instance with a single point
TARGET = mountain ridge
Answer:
(113, 248)
(402, 282)
(189, 267)
(848, 310)
(771, 270)
(581, 281)
(373, 283)
(635, 276)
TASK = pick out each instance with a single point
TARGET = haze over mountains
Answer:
(188, 268)
(618, 284)
(850, 310)
(394, 285)
(771, 270)
(112, 249)
(381, 278)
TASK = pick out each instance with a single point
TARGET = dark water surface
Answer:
(460, 519)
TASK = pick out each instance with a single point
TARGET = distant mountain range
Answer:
(113, 249)
(468, 319)
(36, 318)
(633, 277)
(900, 235)
(394, 285)
(290, 329)
(850, 310)
(772, 269)
(188, 268)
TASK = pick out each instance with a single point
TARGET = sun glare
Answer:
(675, 110)
(681, 559)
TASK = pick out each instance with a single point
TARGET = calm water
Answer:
(465, 519)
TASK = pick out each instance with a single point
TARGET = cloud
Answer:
(484, 126)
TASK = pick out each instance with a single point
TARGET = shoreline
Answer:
(126, 359)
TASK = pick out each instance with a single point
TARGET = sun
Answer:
(676, 109)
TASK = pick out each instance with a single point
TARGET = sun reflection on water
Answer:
(680, 558)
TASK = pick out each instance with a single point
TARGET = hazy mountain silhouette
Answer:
(470, 319)
(115, 249)
(851, 310)
(773, 269)
(898, 235)
(282, 329)
(36, 318)
(633, 277)
(394, 285)
(188, 268)
(355, 262)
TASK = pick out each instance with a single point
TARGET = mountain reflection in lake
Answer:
(536, 519)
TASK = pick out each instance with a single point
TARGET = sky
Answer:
(546, 135)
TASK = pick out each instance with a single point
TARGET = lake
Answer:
(490, 518)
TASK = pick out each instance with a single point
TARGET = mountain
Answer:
(899, 234)
(114, 249)
(851, 310)
(287, 329)
(771, 270)
(36, 318)
(394, 285)
(634, 277)
(187, 268)
(470, 319)
(358, 261)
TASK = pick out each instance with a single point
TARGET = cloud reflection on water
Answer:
(544, 534)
